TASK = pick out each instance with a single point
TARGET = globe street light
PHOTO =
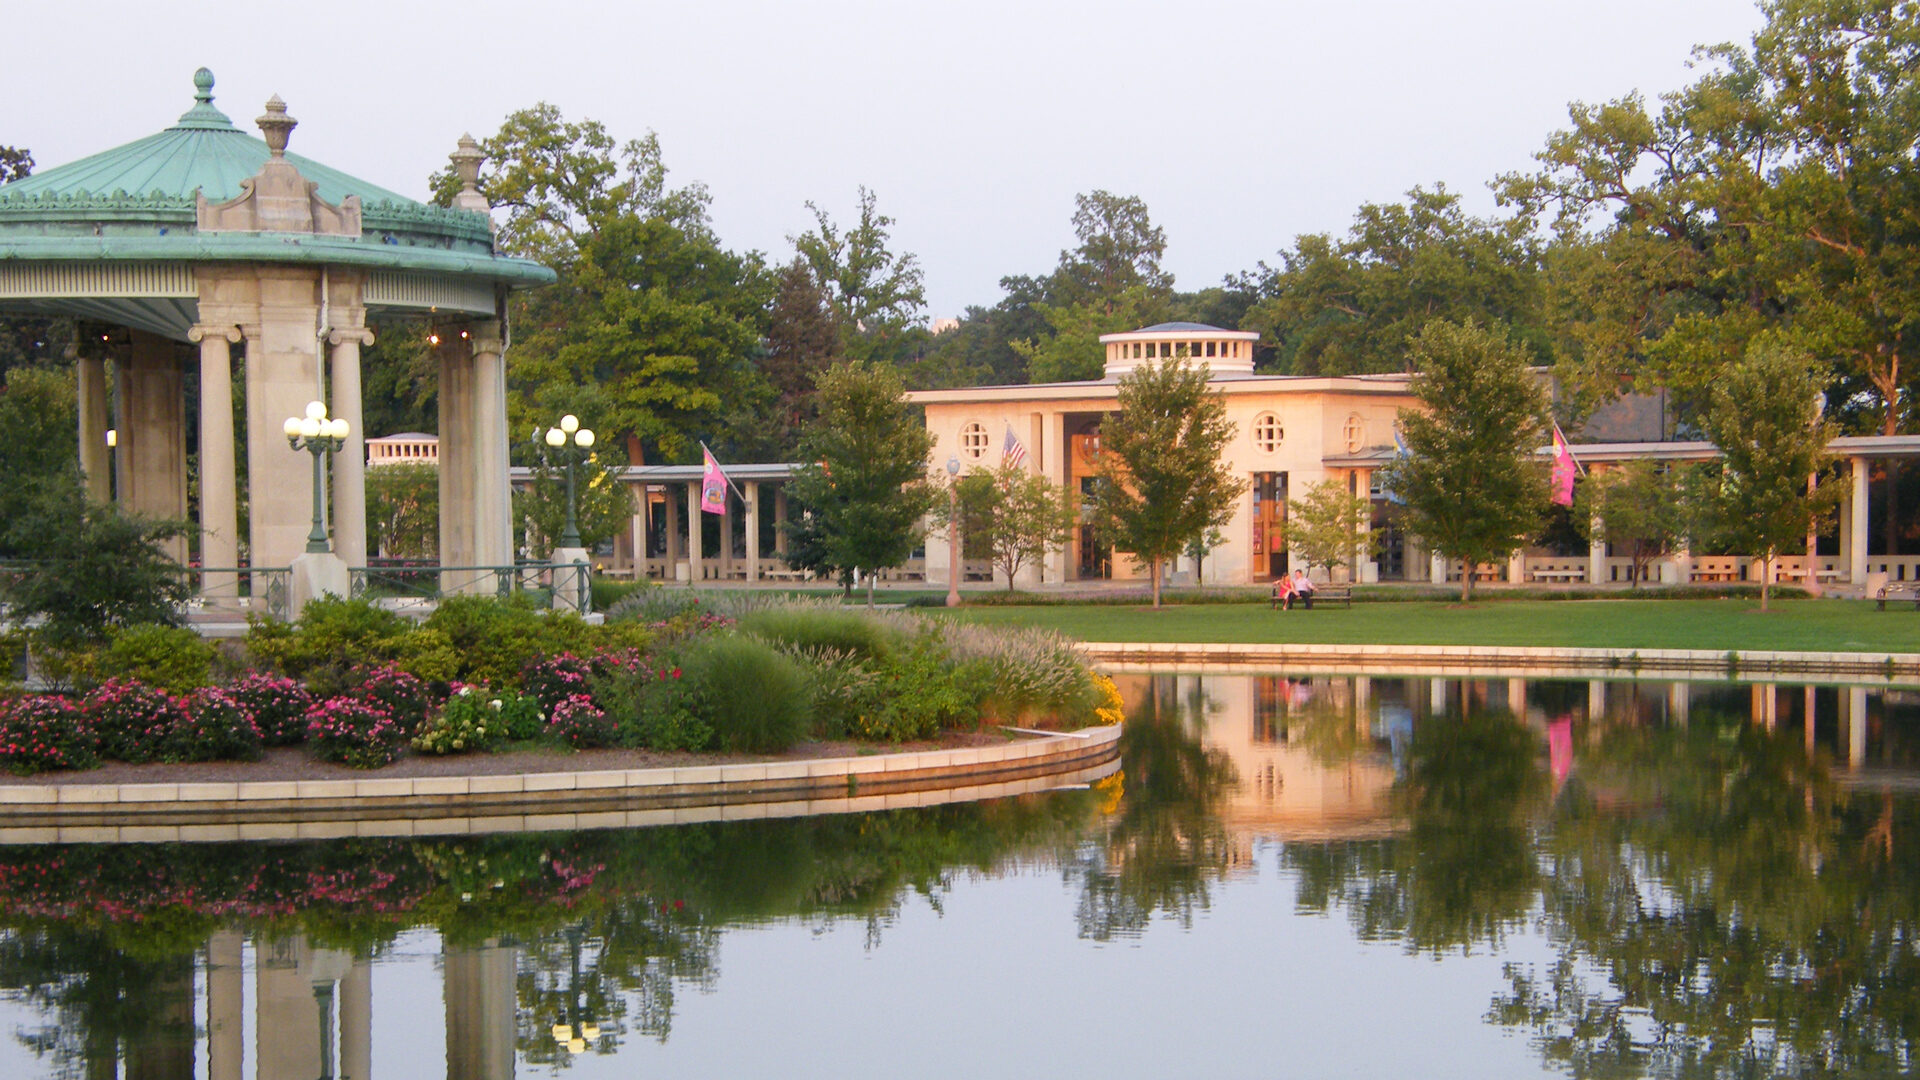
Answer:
(318, 436)
(558, 448)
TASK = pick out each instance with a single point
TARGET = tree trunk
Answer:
(1766, 578)
(1153, 572)
(1466, 582)
(871, 578)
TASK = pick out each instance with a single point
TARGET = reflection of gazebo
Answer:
(204, 235)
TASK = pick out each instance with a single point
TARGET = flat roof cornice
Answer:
(1393, 385)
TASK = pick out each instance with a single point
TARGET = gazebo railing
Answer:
(432, 582)
(261, 590)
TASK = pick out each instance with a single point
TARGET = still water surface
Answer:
(1313, 877)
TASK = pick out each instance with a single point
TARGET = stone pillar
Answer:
(1596, 700)
(639, 526)
(726, 536)
(1597, 553)
(1855, 523)
(780, 520)
(1365, 570)
(350, 463)
(696, 526)
(356, 1021)
(1517, 567)
(752, 488)
(1437, 569)
(492, 486)
(226, 1024)
(152, 452)
(282, 377)
(96, 459)
(1055, 461)
(480, 1011)
(1766, 704)
(1517, 697)
(1679, 701)
(458, 536)
(219, 497)
(1853, 707)
(673, 540)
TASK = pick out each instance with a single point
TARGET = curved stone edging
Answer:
(408, 799)
(1456, 659)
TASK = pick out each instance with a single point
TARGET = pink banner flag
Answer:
(1564, 469)
(713, 486)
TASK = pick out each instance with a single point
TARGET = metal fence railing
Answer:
(548, 584)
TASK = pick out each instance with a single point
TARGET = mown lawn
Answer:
(1808, 625)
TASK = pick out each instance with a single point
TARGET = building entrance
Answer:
(1269, 525)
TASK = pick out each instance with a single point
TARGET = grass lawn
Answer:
(1806, 625)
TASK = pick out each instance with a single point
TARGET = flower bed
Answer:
(667, 673)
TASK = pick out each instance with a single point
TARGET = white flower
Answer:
(495, 703)
(465, 690)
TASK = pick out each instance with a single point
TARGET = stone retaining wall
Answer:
(1468, 659)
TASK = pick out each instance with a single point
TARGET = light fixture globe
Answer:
(583, 438)
(316, 410)
(337, 428)
(569, 423)
(310, 428)
(292, 427)
(556, 438)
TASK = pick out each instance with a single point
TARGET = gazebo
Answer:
(185, 244)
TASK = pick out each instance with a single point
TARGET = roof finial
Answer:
(276, 125)
(466, 166)
(203, 116)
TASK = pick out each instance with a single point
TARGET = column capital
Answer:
(359, 335)
(201, 331)
(487, 337)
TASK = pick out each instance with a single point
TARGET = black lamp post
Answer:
(567, 443)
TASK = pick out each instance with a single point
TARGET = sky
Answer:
(1241, 123)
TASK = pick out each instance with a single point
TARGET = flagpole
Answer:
(705, 449)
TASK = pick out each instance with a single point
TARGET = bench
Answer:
(1907, 591)
(1322, 594)
(1559, 575)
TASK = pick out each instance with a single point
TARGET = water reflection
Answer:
(1696, 880)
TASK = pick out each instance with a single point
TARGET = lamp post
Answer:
(568, 442)
(954, 566)
(318, 436)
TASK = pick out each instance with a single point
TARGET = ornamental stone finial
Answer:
(203, 86)
(466, 165)
(276, 126)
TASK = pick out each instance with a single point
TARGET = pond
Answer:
(1306, 876)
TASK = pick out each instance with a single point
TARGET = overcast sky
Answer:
(1242, 124)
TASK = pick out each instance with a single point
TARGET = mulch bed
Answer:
(294, 763)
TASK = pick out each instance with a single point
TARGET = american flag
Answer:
(1012, 452)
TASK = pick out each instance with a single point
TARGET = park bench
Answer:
(1901, 591)
(1323, 594)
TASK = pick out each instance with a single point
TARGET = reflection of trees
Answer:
(1167, 843)
(1463, 872)
(1737, 917)
(101, 1000)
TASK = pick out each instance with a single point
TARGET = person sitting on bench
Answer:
(1303, 588)
(1283, 593)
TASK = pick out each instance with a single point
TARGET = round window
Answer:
(1267, 432)
(973, 440)
(1356, 432)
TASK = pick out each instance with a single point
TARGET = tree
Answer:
(1639, 502)
(1765, 416)
(1468, 482)
(652, 325)
(95, 569)
(1119, 251)
(15, 164)
(603, 504)
(803, 339)
(40, 457)
(865, 485)
(1016, 516)
(1355, 305)
(875, 293)
(1162, 480)
(1072, 351)
(1328, 526)
(403, 511)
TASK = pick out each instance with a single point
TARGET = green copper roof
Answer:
(137, 201)
(201, 152)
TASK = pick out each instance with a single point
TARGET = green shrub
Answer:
(133, 721)
(402, 696)
(331, 637)
(918, 694)
(43, 732)
(427, 654)
(850, 631)
(757, 700)
(215, 728)
(470, 720)
(495, 639)
(843, 686)
(172, 658)
(658, 709)
(608, 592)
(581, 724)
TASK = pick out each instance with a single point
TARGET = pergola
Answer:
(178, 247)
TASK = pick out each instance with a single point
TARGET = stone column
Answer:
(152, 454)
(780, 520)
(672, 538)
(1855, 523)
(726, 536)
(1365, 570)
(480, 1011)
(1853, 707)
(639, 527)
(219, 497)
(1437, 569)
(1517, 697)
(226, 1037)
(695, 527)
(1596, 700)
(492, 487)
(1597, 553)
(350, 463)
(96, 460)
(1679, 701)
(356, 1021)
(283, 359)
(752, 488)
(457, 532)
